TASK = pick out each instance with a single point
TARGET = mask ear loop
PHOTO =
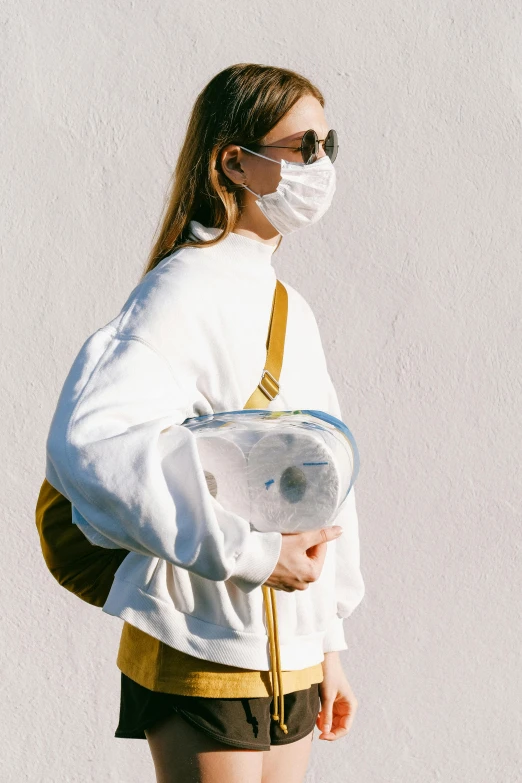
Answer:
(260, 156)
(252, 191)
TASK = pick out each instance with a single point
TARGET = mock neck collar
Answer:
(239, 245)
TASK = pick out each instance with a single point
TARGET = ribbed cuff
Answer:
(334, 636)
(257, 561)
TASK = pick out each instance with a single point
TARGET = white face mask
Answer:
(303, 195)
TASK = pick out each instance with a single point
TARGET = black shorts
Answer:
(241, 722)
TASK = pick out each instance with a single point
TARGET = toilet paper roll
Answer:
(225, 471)
(296, 480)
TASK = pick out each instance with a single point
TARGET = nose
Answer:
(320, 154)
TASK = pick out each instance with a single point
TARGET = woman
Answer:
(256, 164)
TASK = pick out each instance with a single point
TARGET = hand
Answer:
(338, 703)
(301, 558)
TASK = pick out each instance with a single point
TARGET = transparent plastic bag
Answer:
(286, 471)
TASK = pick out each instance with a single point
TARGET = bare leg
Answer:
(287, 763)
(184, 754)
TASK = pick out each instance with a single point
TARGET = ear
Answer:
(230, 159)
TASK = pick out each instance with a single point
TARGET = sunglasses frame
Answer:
(313, 139)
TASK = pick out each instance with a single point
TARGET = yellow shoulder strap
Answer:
(268, 386)
(267, 389)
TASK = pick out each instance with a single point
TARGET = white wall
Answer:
(415, 278)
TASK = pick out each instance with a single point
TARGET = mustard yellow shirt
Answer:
(159, 667)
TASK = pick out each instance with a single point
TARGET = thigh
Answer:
(287, 763)
(288, 757)
(183, 753)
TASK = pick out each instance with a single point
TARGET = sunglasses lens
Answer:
(309, 146)
(330, 145)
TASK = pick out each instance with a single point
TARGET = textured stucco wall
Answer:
(415, 278)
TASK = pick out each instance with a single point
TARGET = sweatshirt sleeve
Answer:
(117, 449)
(349, 582)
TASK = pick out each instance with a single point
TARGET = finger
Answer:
(325, 718)
(347, 723)
(342, 720)
(337, 732)
(322, 535)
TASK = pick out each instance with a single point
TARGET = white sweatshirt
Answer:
(191, 340)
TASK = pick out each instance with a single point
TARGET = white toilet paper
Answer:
(225, 470)
(296, 480)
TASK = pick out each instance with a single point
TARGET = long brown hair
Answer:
(240, 105)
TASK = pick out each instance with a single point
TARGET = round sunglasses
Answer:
(310, 145)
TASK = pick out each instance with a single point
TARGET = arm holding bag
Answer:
(88, 570)
(117, 448)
